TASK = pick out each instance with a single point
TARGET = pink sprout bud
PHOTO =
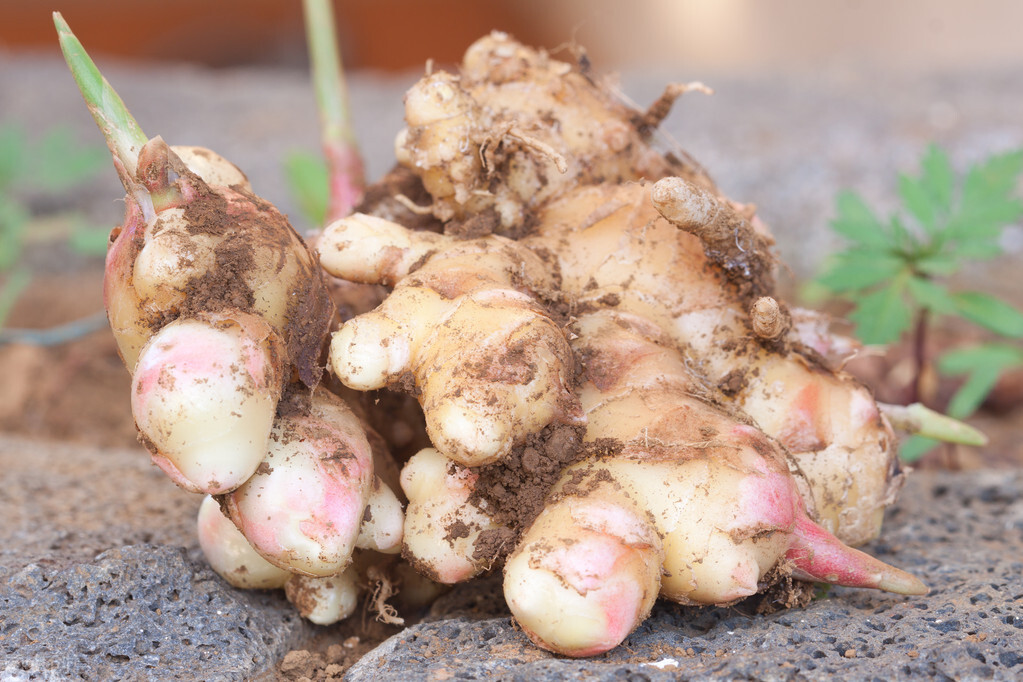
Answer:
(231, 555)
(204, 395)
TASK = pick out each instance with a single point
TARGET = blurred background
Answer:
(402, 34)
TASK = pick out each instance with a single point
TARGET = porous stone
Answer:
(101, 576)
(139, 612)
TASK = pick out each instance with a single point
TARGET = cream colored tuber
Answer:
(221, 313)
(619, 405)
(716, 436)
(464, 330)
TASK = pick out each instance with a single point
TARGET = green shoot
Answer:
(123, 135)
(307, 178)
(926, 423)
(894, 269)
(982, 365)
(346, 179)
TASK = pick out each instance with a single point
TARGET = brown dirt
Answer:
(78, 391)
(334, 651)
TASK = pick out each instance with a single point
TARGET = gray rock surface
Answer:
(101, 577)
(139, 612)
(961, 533)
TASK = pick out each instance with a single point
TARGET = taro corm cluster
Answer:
(615, 405)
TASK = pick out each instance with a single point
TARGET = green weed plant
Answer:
(895, 271)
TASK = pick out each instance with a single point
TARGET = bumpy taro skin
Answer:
(204, 394)
(304, 507)
(464, 326)
(438, 491)
(231, 555)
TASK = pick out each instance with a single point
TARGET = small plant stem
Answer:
(54, 336)
(919, 355)
(346, 177)
(123, 135)
(923, 421)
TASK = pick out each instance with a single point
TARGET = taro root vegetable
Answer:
(217, 305)
(441, 530)
(190, 244)
(466, 330)
(221, 314)
(304, 508)
(828, 422)
(204, 394)
(231, 555)
(694, 504)
(324, 600)
(721, 451)
(620, 406)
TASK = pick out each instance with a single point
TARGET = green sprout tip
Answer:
(123, 135)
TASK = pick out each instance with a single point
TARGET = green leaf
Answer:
(972, 393)
(937, 177)
(929, 197)
(990, 313)
(963, 360)
(12, 154)
(903, 238)
(982, 365)
(59, 162)
(987, 203)
(307, 179)
(882, 316)
(855, 270)
(915, 198)
(939, 264)
(856, 222)
(13, 223)
(88, 240)
(915, 447)
(930, 295)
(979, 250)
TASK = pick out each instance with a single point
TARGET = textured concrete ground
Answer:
(99, 571)
(100, 577)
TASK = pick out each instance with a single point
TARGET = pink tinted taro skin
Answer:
(584, 596)
(204, 394)
(303, 508)
(231, 555)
